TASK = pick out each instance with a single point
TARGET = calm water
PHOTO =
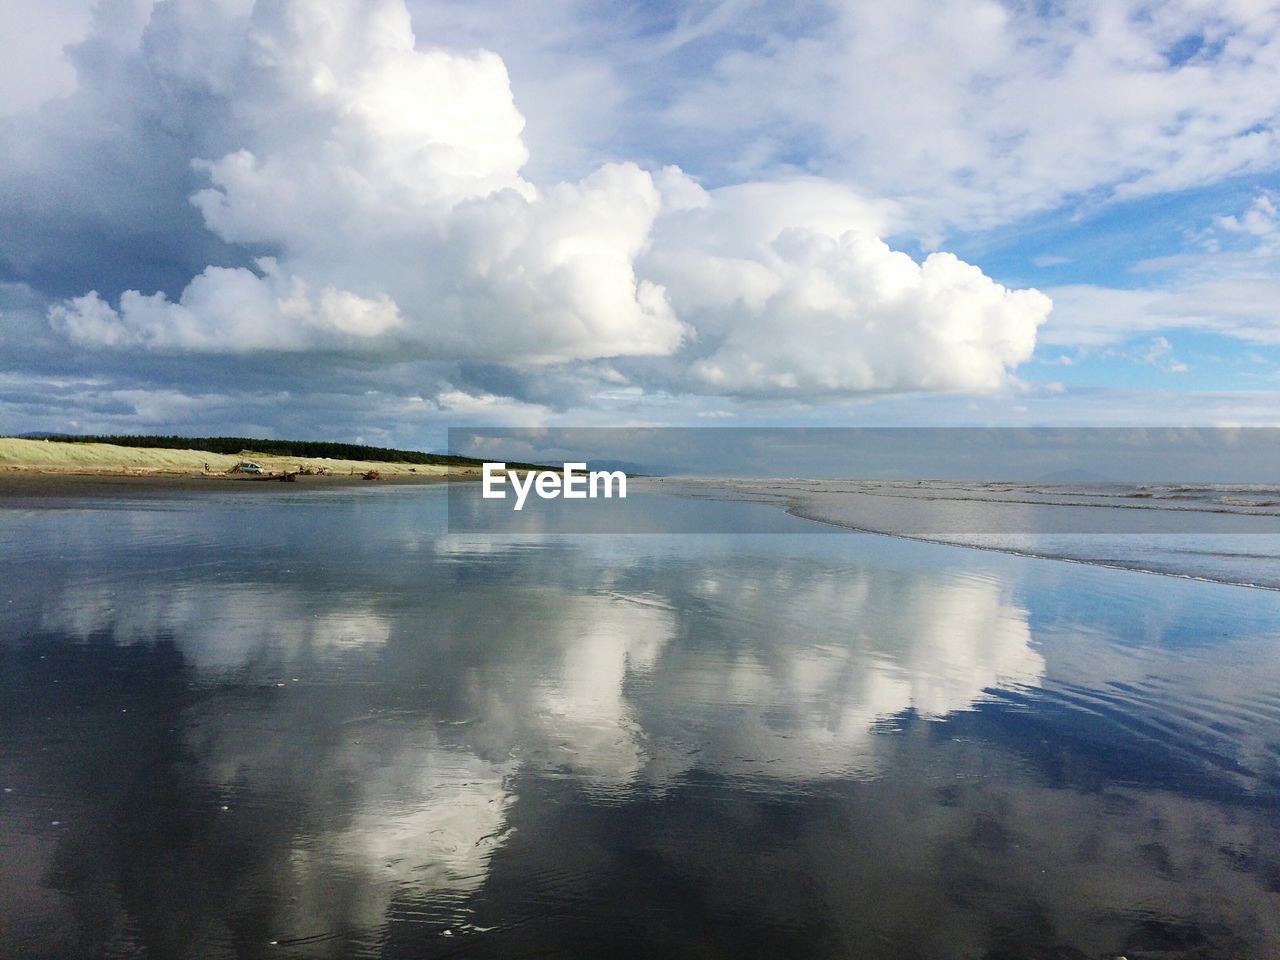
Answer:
(313, 725)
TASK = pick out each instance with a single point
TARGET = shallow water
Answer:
(1229, 533)
(313, 724)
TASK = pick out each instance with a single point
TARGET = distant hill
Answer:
(274, 448)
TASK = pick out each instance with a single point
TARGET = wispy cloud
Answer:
(979, 113)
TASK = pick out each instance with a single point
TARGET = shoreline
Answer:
(806, 508)
(19, 483)
(40, 468)
(797, 510)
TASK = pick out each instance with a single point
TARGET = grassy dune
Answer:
(41, 456)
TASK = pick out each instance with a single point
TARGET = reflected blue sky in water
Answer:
(322, 721)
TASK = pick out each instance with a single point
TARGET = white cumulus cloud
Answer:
(794, 292)
(375, 185)
(387, 178)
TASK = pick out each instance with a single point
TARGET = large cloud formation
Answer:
(387, 178)
(361, 194)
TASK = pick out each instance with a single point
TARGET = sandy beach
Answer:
(42, 468)
(33, 483)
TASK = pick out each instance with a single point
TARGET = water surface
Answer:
(315, 725)
(1229, 533)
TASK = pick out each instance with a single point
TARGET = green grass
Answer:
(89, 457)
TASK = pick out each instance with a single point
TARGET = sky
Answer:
(373, 220)
(1086, 455)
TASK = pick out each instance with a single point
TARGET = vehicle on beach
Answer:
(247, 466)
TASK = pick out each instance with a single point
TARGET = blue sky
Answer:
(1152, 244)
(377, 220)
